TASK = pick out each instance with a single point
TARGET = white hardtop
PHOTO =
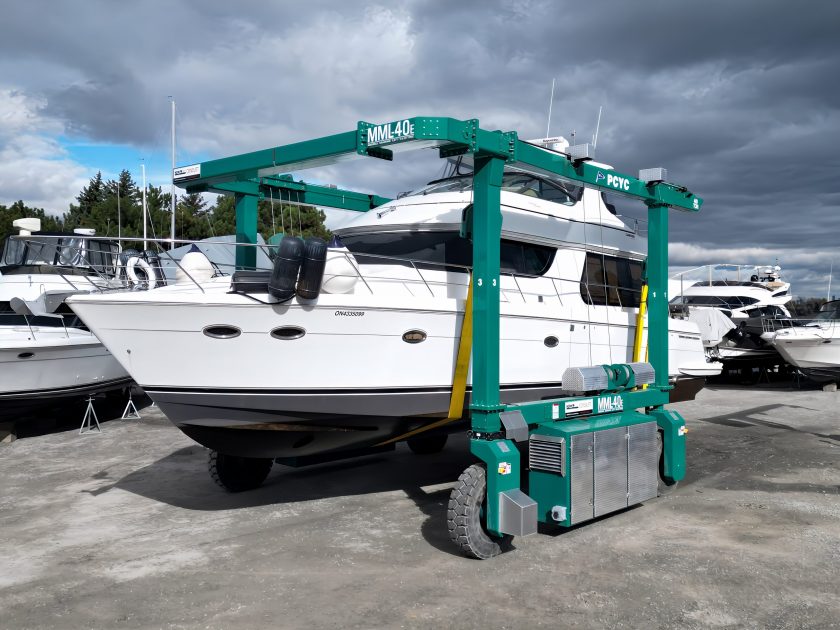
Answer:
(446, 208)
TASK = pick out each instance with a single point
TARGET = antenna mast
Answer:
(550, 103)
(119, 218)
(597, 128)
(145, 211)
(172, 185)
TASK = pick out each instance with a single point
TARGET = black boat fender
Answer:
(312, 270)
(287, 264)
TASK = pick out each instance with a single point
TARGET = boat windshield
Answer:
(829, 310)
(70, 251)
(29, 251)
(732, 301)
(518, 182)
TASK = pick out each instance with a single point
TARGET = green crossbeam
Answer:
(449, 135)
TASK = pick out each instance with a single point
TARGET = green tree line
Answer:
(114, 206)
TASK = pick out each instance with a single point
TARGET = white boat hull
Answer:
(811, 347)
(41, 365)
(351, 377)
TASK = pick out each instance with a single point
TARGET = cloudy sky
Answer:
(739, 100)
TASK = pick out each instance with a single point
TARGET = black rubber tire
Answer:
(463, 516)
(663, 487)
(237, 474)
(427, 444)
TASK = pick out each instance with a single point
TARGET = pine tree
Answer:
(91, 194)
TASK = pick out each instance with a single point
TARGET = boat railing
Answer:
(34, 323)
(801, 325)
(423, 273)
(774, 324)
(715, 272)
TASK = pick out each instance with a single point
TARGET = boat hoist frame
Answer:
(566, 487)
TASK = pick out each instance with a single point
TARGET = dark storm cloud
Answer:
(739, 100)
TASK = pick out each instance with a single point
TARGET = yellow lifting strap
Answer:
(640, 325)
(640, 329)
(459, 381)
(462, 364)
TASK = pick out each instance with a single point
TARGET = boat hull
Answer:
(252, 394)
(815, 351)
(278, 423)
(52, 366)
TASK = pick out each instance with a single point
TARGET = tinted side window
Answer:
(438, 249)
(609, 280)
(444, 250)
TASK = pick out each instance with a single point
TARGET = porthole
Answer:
(414, 336)
(288, 333)
(222, 332)
(551, 341)
(26, 355)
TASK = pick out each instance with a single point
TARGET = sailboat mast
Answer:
(172, 186)
(828, 293)
(145, 210)
(119, 218)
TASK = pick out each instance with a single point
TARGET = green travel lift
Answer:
(607, 446)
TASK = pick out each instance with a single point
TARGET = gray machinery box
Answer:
(579, 470)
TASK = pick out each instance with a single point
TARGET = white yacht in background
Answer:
(754, 290)
(813, 346)
(733, 305)
(371, 357)
(46, 353)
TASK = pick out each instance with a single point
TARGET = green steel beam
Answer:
(657, 306)
(246, 230)
(297, 156)
(605, 179)
(451, 136)
(550, 411)
(287, 190)
(487, 234)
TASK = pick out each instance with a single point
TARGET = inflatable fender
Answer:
(340, 269)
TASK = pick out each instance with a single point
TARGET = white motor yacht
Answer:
(371, 357)
(813, 346)
(733, 305)
(46, 353)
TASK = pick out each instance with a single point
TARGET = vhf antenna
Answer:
(550, 103)
(597, 128)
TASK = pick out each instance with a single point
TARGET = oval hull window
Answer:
(26, 355)
(551, 342)
(288, 333)
(414, 336)
(222, 332)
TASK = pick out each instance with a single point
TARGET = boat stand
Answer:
(90, 412)
(130, 412)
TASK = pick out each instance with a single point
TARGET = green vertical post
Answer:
(487, 234)
(657, 274)
(246, 230)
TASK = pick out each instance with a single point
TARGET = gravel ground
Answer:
(125, 529)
